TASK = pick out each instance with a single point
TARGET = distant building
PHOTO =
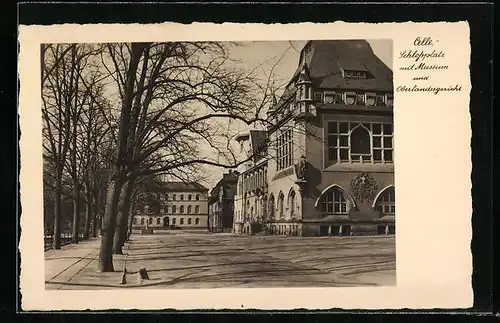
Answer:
(171, 205)
(221, 203)
(251, 197)
(329, 164)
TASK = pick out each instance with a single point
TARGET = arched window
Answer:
(189, 197)
(271, 206)
(174, 221)
(197, 197)
(292, 203)
(150, 221)
(182, 197)
(142, 221)
(197, 209)
(166, 197)
(135, 220)
(174, 209)
(167, 209)
(360, 144)
(256, 207)
(263, 207)
(386, 202)
(158, 221)
(281, 209)
(182, 221)
(189, 221)
(174, 197)
(189, 208)
(181, 208)
(196, 221)
(247, 210)
(333, 202)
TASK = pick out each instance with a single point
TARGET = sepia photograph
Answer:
(218, 164)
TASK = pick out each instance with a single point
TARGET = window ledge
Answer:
(382, 168)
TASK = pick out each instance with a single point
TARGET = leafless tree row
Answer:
(117, 115)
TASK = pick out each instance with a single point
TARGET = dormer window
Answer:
(355, 74)
(350, 98)
(371, 99)
(329, 97)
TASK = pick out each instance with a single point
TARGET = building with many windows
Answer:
(221, 203)
(328, 167)
(173, 205)
(250, 200)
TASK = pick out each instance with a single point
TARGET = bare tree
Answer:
(58, 94)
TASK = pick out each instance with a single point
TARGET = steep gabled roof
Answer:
(327, 58)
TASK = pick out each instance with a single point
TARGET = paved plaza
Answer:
(202, 260)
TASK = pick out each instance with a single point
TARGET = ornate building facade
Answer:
(329, 163)
(173, 205)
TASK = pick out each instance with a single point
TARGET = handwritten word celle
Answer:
(425, 41)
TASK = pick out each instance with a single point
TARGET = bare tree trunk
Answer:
(76, 212)
(121, 222)
(118, 172)
(109, 223)
(57, 215)
(97, 200)
(88, 216)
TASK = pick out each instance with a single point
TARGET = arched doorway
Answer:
(166, 222)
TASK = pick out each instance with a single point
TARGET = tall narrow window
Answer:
(189, 221)
(181, 209)
(197, 197)
(281, 209)
(182, 197)
(360, 144)
(182, 221)
(197, 209)
(189, 209)
(284, 149)
(291, 203)
(174, 197)
(271, 207)
(174, 209)
(189, 197)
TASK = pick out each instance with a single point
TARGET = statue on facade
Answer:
(302, 168)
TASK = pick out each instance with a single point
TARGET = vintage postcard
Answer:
(245, 166)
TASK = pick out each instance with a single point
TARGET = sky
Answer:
(286, 55)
